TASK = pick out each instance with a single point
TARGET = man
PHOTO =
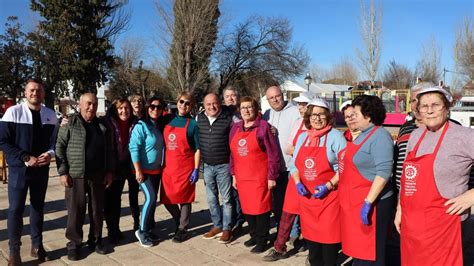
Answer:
(282, 116)
(214, 127)
(231, 99)
(84, 165)
(27, 137)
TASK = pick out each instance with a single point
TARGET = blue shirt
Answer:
(147, 146)
(375, 156)
(335, 143)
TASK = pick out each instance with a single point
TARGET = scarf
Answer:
(315, 134)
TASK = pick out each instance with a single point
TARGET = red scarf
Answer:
(315, 134)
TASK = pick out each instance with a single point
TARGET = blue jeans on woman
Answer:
(218, 181)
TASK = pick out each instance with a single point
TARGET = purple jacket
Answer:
(267, 142)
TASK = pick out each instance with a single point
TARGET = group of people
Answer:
(343, 190)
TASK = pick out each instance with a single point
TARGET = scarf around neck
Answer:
(314, 135)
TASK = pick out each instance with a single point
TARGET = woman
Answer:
(254, 166)
(436, 169)
(347, 111)
(119, 119)
(181, 171)
(314, 165)
(366, 199)
(146, 149)
(137, 105)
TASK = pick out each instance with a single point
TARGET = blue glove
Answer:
(194, 177)
(364, 212)
(322, 191)
(301, 189)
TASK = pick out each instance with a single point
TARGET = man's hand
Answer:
(274, 131)
(64, 121)
(65, 180)
(44, 159)
(460, 203)
(32, 162)
(109, 178)
(271, 184)
(139, 177)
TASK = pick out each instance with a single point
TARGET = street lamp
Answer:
(307, 80)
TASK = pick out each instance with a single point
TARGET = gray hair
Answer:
(231, 88)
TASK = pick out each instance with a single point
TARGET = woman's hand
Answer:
(398, 219)
(234, 182)
(271, 184)
(301, 189)
(460, 203)
(320, 191)
(139, 177)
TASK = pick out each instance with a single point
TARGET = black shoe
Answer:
(101, 248)
(250, 243)
(274, 255)
(73, 254)
(180, 236)
(14, 260)
(237, 230)
(258, 249)
(91, 244)
(40, 253)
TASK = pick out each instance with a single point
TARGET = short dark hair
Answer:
(309, 111)
(372, 107)
(35, 80)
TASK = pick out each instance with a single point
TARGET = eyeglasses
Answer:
(186, 103)
(154, 106)
(246, 108)
(434, 107)
(351, 116)
(275, 97)
(320, 116)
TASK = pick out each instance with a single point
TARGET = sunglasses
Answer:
(186, 103)
(153, 107)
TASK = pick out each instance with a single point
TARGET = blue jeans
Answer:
(295, 229)
(218, 180)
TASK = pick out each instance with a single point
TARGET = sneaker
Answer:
(226, 237)
(154, 238)
(258, 249)
(180, 236)
(143, 239)
(215, 232)
(250, 243)
(274, 255)
(40, 253)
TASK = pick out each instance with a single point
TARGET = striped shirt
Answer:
(400, 151)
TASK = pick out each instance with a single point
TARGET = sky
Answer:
(328, 29)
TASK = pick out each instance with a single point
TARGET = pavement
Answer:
(194, 251)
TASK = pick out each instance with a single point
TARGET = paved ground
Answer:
(195, 251)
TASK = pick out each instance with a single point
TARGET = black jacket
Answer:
(214, 140)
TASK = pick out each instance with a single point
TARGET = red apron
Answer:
(429, 236)
(319, 217)
(358, 239)
(291, 204)
(179, 164)
(251, 170)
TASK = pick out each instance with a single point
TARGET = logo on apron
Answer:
(309, 171)
(411, 172)
(341, 162)
(242, 150)
(172, 145)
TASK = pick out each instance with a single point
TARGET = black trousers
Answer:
(133, 189)
(180, 213)
(84, 190)
(278, 195)
(259, 226)
(467, 233)
(37, 186)
(113, 206)
(322, 254)
(384, 223)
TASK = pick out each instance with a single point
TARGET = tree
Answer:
(464, 49)
(193, 27)
(260, 47)
(14, 68)
(83, 33)
(371, 31)
(343, 72)
(397, 76)
(428, 67)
